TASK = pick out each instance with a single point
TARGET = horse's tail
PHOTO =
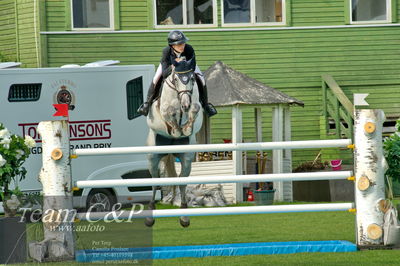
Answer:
(169, 164)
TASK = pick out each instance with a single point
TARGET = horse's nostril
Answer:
(185, 107)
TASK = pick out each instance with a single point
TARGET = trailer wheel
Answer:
(102, 200)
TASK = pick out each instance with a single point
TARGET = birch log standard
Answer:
(58, 213)
(370, 167)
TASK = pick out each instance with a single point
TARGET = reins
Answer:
(173, 87)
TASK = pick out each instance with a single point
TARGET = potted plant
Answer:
(14, 150)
(264, 194)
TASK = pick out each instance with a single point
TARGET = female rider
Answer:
(176, 51)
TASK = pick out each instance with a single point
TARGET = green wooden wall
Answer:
(136, 14)
(312, 12)
(19, 32)
(8, 45)
(291, 59)
(28, 39)
(56, 16)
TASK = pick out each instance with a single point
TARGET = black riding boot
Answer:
(208, 107)
(151, 95)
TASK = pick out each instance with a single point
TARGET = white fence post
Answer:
(58, 213)
(237, 155)
(370, 166)
(277, 154)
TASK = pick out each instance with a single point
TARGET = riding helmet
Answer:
(176, 37)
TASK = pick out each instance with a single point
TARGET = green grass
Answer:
(255, 228)
(241, 229)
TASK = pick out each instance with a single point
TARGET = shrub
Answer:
(14, 150)
(391, 146)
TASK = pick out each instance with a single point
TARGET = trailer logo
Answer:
(78, 130)
(63, 94)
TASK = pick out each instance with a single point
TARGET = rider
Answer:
(176, 51)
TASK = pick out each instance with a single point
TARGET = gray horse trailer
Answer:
(102, 104)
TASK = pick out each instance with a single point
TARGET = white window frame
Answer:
(184, 16)
(112, 25)
(253, 17)
(388, 14)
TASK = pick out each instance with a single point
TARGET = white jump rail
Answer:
(307, 144)
(92, 216)
(170, 181)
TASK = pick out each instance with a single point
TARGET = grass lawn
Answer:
(240, 229)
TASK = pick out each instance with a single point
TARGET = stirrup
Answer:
(210, 109)
(144, 109)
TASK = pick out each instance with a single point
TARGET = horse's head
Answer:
(183, 80)
(179, 111)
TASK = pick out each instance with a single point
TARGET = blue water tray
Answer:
(240, 249)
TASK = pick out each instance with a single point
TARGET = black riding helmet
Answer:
(176, 37)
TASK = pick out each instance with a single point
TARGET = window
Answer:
(370, 10)
(134, 96)
(24, 92)
(138, 174)
(185, 13)
(254, 12)
(92, 14)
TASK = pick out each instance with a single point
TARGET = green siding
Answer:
(138, 14)
(360, 59)
(56, 15)
(17, 32)
(29, 50)
(8, 46)
(135, 14)
(314, 12)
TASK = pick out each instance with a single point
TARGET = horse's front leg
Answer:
(154, 161)
(170, 116)
(187, 129)
(186, 166)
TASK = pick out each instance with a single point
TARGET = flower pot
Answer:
(12, 240)
(336, 165)
(264, 197)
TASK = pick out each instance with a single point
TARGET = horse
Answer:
(174, 119)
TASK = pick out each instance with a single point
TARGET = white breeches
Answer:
(197, 71)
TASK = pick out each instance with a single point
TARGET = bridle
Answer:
(185, 78)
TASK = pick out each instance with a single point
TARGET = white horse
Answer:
(174, 119)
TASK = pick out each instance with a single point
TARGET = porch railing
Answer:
(337, 107)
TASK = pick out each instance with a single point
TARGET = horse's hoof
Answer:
(149, 222)
(184, 223)
(187, 132)
(176, 134)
